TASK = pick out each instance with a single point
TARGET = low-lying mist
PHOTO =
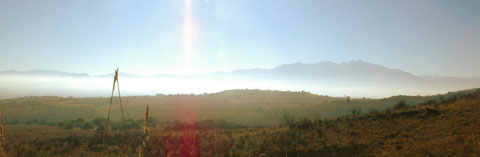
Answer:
(26, 85)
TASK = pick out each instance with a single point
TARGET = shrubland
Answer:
(441, 125)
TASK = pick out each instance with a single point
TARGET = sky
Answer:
(423, 37)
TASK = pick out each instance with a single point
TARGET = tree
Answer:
(99, 123)
(356, 111)
(400, 104)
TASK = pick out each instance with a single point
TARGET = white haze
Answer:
(354, 78)
(26, 85)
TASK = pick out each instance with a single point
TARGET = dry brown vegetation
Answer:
(446, 126)
(243, 107)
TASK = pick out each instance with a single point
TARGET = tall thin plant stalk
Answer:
(125, 139)
(105, 138)
(2, 136)
(146, 131)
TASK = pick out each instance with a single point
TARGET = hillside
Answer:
(243, 107)
(437, 129)
(447, 126)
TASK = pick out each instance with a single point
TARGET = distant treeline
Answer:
(452, 97)
(99, 124)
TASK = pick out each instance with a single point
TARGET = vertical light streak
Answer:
(188, 34)
(184, 108)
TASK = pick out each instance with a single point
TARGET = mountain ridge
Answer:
(353, 78)
(359, 65)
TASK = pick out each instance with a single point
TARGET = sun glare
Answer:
(188, 35)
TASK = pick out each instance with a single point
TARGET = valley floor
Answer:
(434, 129)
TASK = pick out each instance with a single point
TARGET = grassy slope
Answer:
(245, 107)
(450, 129)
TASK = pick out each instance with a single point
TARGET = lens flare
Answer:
(184, 108)
(188, 34)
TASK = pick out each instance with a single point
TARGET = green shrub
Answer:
(400, 104)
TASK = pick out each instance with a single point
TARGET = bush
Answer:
(355, 111)
(400, 104)
(99, 123)
(304, 123)
(87, 126)
(69, 126)
(288, 119)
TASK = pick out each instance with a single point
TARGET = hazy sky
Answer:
(438, 37)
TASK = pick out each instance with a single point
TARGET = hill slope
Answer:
(244, 107)
(438, 129)
(446, 126)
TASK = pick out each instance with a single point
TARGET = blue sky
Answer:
(438, 37)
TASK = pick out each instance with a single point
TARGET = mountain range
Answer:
(357, 78)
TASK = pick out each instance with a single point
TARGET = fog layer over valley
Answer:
(354, 78)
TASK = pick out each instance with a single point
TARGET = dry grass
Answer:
(441, 130)
(2, 137)
(146, 131)
(105, 137)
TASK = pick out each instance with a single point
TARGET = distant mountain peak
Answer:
(361, 63)
(354, 77)
(37, 72)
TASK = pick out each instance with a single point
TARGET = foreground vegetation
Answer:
(443, 125)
